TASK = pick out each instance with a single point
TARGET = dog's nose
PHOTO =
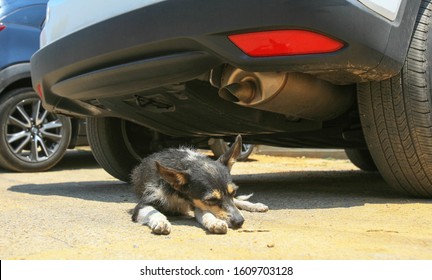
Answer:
(237, 222)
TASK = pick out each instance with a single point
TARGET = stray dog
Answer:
(175, 181)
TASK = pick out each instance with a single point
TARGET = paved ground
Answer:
(320, 209)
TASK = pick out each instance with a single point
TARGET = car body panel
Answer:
(19, 40)
(96, 11)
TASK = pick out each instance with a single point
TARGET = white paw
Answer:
(161, 227)
(259, 207)
(218, 227)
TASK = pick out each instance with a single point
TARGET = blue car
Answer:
(350, 74)
(31, 138)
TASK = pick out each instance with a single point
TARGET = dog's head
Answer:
(208, 184)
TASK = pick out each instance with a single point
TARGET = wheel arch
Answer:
(15, 76)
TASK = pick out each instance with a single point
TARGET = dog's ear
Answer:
(230, 157)
(177, 179)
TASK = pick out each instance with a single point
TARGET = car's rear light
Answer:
(284, 43)
(39, 90)
(2, 26)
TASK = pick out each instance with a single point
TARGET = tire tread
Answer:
(397, 119)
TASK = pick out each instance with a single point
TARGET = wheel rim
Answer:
(32, 133)
(128, 142)
(138, 144)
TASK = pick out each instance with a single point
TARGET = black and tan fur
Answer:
(176, 181)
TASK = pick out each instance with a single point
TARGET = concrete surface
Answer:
(320, 209)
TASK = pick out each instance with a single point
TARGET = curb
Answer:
(300, 152)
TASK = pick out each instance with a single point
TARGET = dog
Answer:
(176, 181)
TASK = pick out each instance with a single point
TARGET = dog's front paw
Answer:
(161, 227)
(218, 227)
(259, 207)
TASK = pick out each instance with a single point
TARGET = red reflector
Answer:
(284, 43)
(39, 90)
(2, 26)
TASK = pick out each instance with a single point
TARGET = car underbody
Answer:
(349, 74)
(190, 85)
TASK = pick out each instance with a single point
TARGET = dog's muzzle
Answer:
(236, 218)
(237, 222)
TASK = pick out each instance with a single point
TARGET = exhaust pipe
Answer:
(292, 94)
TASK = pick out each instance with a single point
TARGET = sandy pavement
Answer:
(319, 209)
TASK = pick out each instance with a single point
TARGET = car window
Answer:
(32, 16)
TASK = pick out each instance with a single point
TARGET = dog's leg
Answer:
(148, 215)
(241, 203)
(210, 222)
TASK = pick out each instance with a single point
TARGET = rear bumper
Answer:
(176, 41)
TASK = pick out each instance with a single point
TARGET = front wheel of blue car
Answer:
(31, 138)
(396, 116)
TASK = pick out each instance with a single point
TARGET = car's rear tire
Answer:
(361, 158)
(396, 116)
(31, 139)
(117, 145)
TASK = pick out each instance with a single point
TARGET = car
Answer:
(31, 138)
(349, 74)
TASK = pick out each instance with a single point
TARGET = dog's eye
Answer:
(213, 201)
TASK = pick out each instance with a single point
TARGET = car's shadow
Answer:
(102, 191)
(73, 159)
(288, 190)
(321, 189)
(77, 159)
(285, 190)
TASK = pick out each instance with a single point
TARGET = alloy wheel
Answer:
(32, 133)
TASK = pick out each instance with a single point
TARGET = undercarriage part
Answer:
(194, 111)
(291, 94)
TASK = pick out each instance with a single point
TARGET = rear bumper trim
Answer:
(136, 76)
